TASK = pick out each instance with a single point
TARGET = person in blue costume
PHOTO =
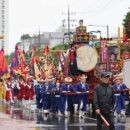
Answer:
(119, 96)
(82, 86)
(46, 96)
(57, 98)
(53, 86)
(67, 100)
(37, 88)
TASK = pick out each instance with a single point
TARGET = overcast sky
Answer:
(26, 16)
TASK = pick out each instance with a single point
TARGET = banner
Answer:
(104, 51)
(3, 64)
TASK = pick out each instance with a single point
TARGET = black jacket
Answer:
(104, 98)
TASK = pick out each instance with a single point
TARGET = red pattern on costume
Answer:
(28, 92)
(20, 90)
(10, 93)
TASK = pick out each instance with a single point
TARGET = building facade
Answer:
(4, 24)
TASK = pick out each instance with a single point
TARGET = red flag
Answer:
(15, 59)
(32, 57)
(46, 50)
(53, 67)
(42, 73)
(63, 63)
(3, 63)
(22, 61)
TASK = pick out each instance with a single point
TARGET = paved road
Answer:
(18, 118)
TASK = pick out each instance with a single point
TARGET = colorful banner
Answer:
(104, 51)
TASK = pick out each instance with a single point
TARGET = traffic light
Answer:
(105, 39)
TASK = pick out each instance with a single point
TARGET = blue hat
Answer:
(105, 74)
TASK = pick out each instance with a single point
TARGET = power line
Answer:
(103, 9)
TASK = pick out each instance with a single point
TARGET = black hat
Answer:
(105, 74)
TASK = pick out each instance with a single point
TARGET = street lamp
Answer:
(106, 26)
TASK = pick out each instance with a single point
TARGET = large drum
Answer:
(87, 58)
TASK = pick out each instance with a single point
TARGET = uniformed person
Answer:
(67, 100)
(82, 86)
(104, 101)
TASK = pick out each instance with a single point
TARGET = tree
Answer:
(25, 36)
(126, 23)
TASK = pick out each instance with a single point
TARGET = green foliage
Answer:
(60, 47)
(25, 36)
(125, 48)
(126, 23)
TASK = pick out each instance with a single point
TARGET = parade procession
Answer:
(67, 88)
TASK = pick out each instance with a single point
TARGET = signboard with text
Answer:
(104, 51)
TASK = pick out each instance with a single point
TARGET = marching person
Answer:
(82, 98)
(9, 90)
(57, 99)
(53, 87)
(15, 88)
(38, 94)
(104, 101)
(21, 89)
(67, 100)
(46, 96)
(119, 96)
(28, 92)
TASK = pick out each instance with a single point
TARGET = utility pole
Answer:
(69, 20)
(39, 38)
(107, 31)
(63, 27)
